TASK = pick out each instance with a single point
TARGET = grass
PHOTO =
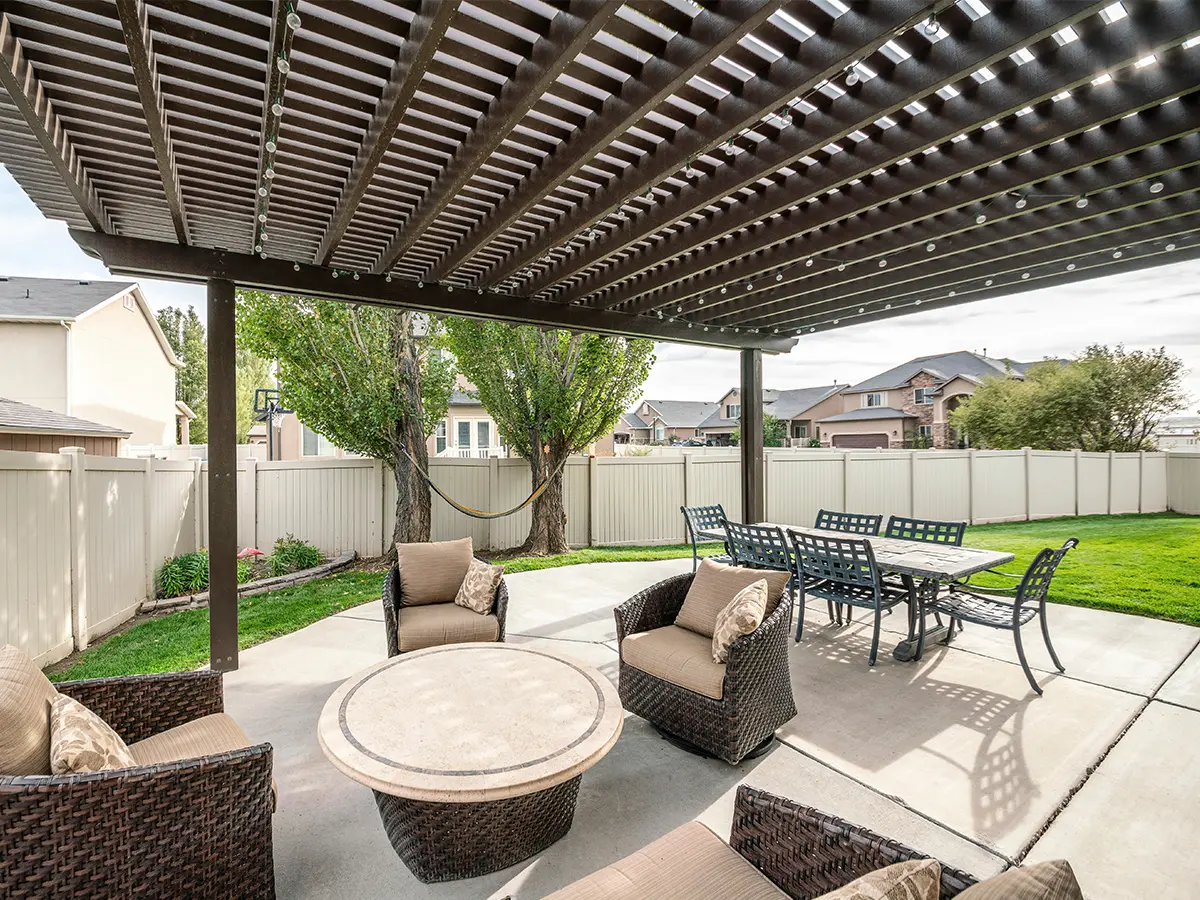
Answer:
(1135, 564)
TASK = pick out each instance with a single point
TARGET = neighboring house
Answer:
(1178, 433)
(664, 420)
(800, 408)
(468, 430)
(37, 430)
(910, 404)
(91, 350)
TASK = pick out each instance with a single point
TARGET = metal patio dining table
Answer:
(918, 561)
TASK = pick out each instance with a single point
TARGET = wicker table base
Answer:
(445, 841)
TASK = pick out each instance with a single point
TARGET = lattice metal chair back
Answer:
(1009, 608)
(705, 523)
(851, 523)
(842, 571)
(758, 546)
(928, 530)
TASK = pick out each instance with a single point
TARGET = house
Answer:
(37, 430)
(468, 429)
(91, 350)
(910, 405)
(1178, 433)
(663, 421)
(799, 408)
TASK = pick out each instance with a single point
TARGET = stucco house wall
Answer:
(33, 364)
(120, 374)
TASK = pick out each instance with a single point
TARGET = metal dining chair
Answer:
(705, 523)
(761, 547)
(1008, 608)
(930, 531)
(851, 523)
(843, 571)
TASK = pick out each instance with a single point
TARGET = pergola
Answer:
(731, 173)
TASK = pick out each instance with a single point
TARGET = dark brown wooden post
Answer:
(753, 497)
(222, 479)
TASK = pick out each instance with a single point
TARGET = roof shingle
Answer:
(54, 298)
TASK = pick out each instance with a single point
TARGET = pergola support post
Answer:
(753, 493)
(222, 478)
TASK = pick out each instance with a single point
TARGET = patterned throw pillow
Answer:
(1050, 880)
(744, 613)
(917, 879)
(80, 741)
(479, 586)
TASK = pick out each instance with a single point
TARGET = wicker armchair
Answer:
(196, 827)
(393, 599)
(757, 695)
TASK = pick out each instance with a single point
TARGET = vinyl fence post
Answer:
(688, 479)
(845, 480)
(593, 500)
(493, 498)
(1078, 477)
(971, 463)
(249, 495)
(195, 499)
(148, 525)
(1141, 480)
(1112, 471)
(77, 489)
(912, 482)
(1028, 479)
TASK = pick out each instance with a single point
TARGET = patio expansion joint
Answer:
(542, 637)
(900, 801)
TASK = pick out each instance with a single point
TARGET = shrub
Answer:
(184, 574)
(292, 555)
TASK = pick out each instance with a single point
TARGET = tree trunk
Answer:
(412, 493)
(548, 531)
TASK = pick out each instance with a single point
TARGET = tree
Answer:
(775, 432)
(185, 333)
(253, 372)
(552, 393)
(1105, 399)
(372, 380)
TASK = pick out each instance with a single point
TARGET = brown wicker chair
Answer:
(393, 599)
(199, 827)
(805, 854)
(757, 694)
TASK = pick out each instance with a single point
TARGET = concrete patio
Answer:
(953, 755)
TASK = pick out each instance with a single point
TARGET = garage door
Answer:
(860, 441)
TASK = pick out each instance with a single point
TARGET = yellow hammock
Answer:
(477, 513)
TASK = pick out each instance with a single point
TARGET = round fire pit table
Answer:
(474, 751)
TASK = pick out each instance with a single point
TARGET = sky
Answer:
(1143, 310)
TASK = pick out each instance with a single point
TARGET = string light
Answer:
(852, 76)
(1170, 246)
(980, 219)
(931, 26)
(270, 146)
(1070, 267)
(1024, 275)
(1156, 187)
(1117, 254)
(293, 20)
(283, 65)
(930, 247)
(335, 273)
(883, 264)
(701, 300)
(1082, 202)
(277, 109)
(262, 191)
(808, 262)
(841, 267)
(388, 277)
(1021, 202)
(296, 268)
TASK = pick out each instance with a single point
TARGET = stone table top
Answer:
(469, 723)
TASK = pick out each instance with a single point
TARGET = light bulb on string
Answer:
(841, 267)
(1170, 246)
(931, 26)
(1117, 254)
(293, 20)
(270, 146)
(700, 302)
(1070, 267)
(262, 191)
(809, 262)
(883, 264)
(295, 267)
(262, 217)
(1156, 187)
(1082, 202)
(852, 76)
(1022, 202)
(930, 247)
(277, 109)
(980, 219)
(283, 65)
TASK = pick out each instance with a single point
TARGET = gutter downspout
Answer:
(70, 369)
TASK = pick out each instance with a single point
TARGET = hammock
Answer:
(477, 513)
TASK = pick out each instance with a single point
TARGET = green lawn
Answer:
(1138, 564)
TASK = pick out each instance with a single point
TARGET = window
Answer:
(314, 444)
(733, 410)
(799, 430)
(922, 396)
(130, 303)
(440, 437)
(872, 400)
(464, 435)
(925, 431)
(483, 434)
(660, 432)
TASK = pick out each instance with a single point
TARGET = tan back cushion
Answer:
(478, 590)
(715, 585)
(916, 879)
(1050, 880)
(81, 741)
(25, 697)
(744, 613)
(432, 572)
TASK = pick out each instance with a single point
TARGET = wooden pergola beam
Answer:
(155, 259)
(416, 53)
(711, 34)
(993, 37)
(135, 26)
(823, 57)
(973, 168)
(22, 84)
(570, 31)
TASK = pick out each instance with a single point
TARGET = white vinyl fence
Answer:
(81, 536)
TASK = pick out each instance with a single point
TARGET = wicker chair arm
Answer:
(138, 706)
(743, 650)
(136, 832)
(807, 853)
(655, 607)
(500, 607)
(391, 603)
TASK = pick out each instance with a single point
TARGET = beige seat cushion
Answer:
(688, 863)
(443, 623)
(1050, 880)
(743, 615)
(25, 698)
(216, 733)
(715, 585)
(432, 572)
(916, 879)
(478, 589)
(677, 655)
(81, 741)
